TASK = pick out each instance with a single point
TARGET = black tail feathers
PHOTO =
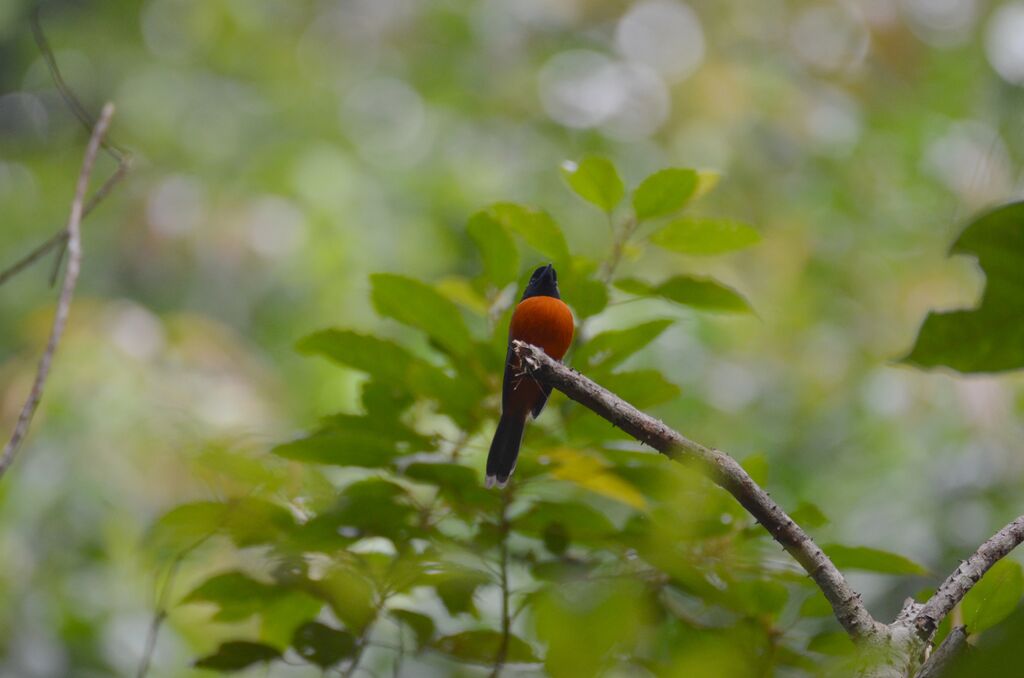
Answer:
(501, 460)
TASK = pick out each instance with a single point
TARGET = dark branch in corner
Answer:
(939, 662)
(723, 470)
(963, 579)
(66, 293)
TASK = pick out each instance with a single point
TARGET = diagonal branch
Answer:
(66, 293)
(723, 470)
(963, 579)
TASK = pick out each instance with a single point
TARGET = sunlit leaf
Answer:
(664, 192)
(989, 338)
(700, 293)
(536, 227)
(994, 597)
(871, 560)
(584, 293)
(703, 235)
(322, 645)
(418, 305)
(589, 472)
(707, 180)
(422, 626)
(609, 349)
(481, 647)
(595, 180)
(497, 248)
(236, 655)
(458, 484)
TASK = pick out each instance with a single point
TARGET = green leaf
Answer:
(871, 560)
(816, 605)
(421, 624)
(586, 295)
(481, 647)
(609, 349)
(640, 388)
(419, 305)
(706, 182)
(759, 596)
(322, 645)
(459, 484)
(756, 466)
(338, 448)
(456, 586)
(994, 597)
(350, 595)
(536, 227)
(183, 527)
(395, 368)
(236, 595)
(236, 655)
(497, 248)
(807, 514)
(989, 338)
(574, 521)
(664, 192)
(702, 235)
(833, 643)
(700, 293)
(595, 180)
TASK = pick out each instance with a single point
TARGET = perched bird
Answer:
(541, 318)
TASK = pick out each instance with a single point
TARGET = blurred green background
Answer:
(285, 149)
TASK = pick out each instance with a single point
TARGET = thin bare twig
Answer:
(506, 619)
(724, 471)
(963, 579)
(66, 293)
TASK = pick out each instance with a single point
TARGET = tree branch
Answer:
(941, 659)
(723, 470)
(963, 579)
(66, 293)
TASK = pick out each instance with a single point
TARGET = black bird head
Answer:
(543, 283)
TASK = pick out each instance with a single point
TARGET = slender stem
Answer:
(506, 618)
(963, 579)
(66, 293)
(618, 248)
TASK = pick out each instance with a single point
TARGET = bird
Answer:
(541, 318)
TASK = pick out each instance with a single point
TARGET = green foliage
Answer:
(595, 180)
(664, 192)
(989, 338)
(237, 655)
(407, 547)
(697, 235)
(701, 293)
(322, 645)
(994, 597)
(482, 647)
(871, 560)
(497, 248)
